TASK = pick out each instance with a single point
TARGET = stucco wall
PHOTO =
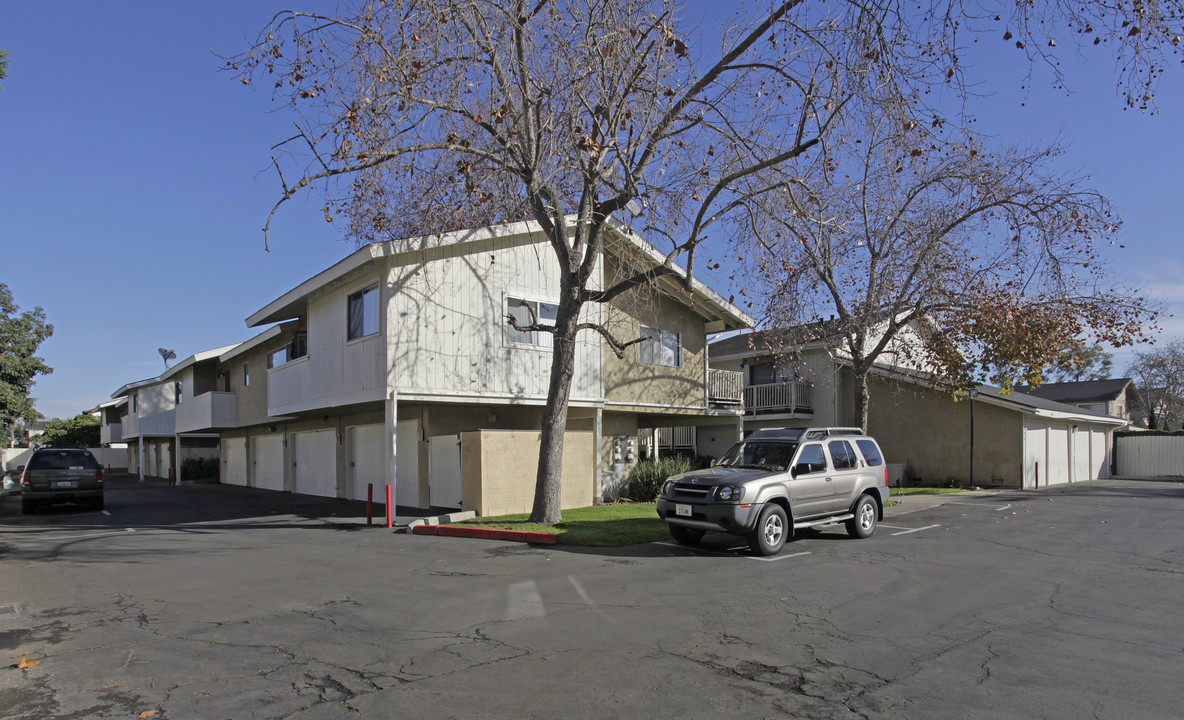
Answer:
(931, 433)
(252, 399)
(628, 380)
(498, 469)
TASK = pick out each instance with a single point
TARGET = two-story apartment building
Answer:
(397, 365)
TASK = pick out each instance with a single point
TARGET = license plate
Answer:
(682, 510)
(64, 484)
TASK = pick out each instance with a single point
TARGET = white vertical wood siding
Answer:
(335, 372)
(1150, 456)
(447, 332)
(156, 410)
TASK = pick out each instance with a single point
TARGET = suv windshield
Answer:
(759, 454)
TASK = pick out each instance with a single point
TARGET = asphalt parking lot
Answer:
(216, 602)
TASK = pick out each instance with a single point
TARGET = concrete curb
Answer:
(442, 519)
(541, 538)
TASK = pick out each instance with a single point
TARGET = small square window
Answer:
(660, 347)
(246, 374)
(527, 312)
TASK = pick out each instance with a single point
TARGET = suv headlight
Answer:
(727, 492)
(668, 488)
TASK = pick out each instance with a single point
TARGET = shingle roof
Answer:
(760, 342)
(1082, 391)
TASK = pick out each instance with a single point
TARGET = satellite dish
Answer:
(166, 355)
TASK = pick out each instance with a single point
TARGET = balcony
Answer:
(788, 398)
(112, 433)
(208, 411)
(725, 387)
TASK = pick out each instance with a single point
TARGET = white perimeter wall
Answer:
(1150, 456)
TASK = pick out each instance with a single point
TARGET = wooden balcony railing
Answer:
(782, 397)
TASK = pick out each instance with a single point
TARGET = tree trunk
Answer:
(549, 481)
(862, 398)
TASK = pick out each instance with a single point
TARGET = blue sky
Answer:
(134, 179)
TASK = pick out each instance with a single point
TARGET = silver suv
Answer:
(776, 481)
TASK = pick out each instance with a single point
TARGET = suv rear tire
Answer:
(772, 529)
(864, 523)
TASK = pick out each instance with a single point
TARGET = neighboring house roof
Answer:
(291, 304)
(763, 342)
(1043, 406)
(1081, 391)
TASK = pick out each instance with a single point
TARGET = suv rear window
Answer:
(871, 453)
(62, 460)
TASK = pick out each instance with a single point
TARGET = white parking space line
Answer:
(71, 537)
(775, 558)
(913, 530)
(985, 505)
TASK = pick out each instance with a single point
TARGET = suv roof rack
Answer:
(821, 432)
(810, 433)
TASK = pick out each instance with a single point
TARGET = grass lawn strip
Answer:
(597, 526)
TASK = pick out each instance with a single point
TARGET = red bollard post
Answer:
(369, 503)
(390, 509)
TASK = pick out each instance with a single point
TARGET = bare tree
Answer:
(936, 256)
(416, 116)
(1159, 384)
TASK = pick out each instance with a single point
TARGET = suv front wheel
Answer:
(771, 531)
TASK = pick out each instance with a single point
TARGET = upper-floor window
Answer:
(180, 392)
(530, 312)
(660, 347)
(297, 348)
(131, 404)
(362, 317)
(767, 373)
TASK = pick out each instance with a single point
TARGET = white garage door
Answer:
(1081, 455)
(1058, 455)
(1035, 454)
(234, 461)
(367, 462)
(444, 482)
(367, 454)
(267, 462)
(1099, 450)
(314, 463)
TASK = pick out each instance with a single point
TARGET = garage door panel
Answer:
(367, 450)
(1058, 454)
(314, 463)
(234, 461)
(267, 462)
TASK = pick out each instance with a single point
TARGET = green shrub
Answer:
(648, 476)
(200, 469)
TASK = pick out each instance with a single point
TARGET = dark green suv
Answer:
(61, 475)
